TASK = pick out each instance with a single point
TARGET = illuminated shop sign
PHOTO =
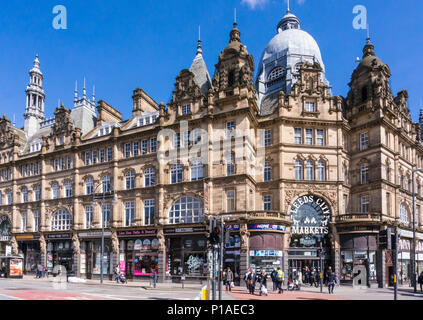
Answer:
(267, 227)
(265, 253)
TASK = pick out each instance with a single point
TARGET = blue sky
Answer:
(122, 45)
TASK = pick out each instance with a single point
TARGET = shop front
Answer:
(29, 249)
(310, 216)
(232, 253)
(405, 267)
(186, 253)
(90, 255)
(266, 247)
(139, 256)
(359, 256)
(59, 251)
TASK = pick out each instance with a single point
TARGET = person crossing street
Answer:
(281, 279)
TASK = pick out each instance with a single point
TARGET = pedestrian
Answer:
(274, 276)
(420, 281)
(46, 271)
(246, 279)
(281, 279)
(330, 280)
(299, 276)
(252, 279)
(117, 273)
(39, 271)
(307, 275)
(229, 279)
(316, 278)
(263, 282)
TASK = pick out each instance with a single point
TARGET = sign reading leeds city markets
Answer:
(310, 215)
(5, 228)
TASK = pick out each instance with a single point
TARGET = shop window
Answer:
(186, 210)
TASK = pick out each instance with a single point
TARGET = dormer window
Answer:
(310, 107)
(186, 109)
(276, 73)
(61, 141)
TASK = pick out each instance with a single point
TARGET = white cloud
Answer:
(254, 3)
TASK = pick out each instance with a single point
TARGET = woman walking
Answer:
(263, 283)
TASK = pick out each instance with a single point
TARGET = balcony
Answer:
(359, 217)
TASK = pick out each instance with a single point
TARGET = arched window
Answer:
(130, 180)
(61, 221)
(309, 170)
(176, 173)
(276, 73)
(321, 171)
(404, 215)
(197, 171)
(186, 210)
(89, 186)
(24, 195)
(299, 169)
(406, 183)
(150, 177)
(106, 184)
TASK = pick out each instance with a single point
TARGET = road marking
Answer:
(10, 297)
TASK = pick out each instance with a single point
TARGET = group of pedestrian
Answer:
(42, 271)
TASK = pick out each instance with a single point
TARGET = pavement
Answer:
(30, 288)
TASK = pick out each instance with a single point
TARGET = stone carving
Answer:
(76, 244)
(245, 235)
(161, 238)
(63, 123)
(15, 249)
(6, 134)
(115, 242)
(43, 245)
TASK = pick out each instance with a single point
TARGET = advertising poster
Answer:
(15, 268)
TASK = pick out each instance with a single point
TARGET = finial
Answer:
(288, 11)
(235, 15)
(76, 91)
(85, 91)
(94, 94)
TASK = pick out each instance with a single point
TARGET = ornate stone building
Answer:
(291, 167)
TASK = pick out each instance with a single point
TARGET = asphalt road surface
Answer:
(16, 289)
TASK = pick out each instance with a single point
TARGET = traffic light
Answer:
(217, 234)
(385, 239)
(212, 226)
(319, 252)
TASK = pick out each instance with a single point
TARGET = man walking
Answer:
(252, 279)
(39, 271)
(281, 279)
(117, 273)
(229, 279)
(420, 281)
(274, 276)
(247, 274)
(331, 280)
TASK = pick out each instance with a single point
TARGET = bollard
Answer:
(155, 279)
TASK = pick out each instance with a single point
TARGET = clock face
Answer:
(310, 216)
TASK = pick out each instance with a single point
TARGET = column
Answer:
(162, 256)
(244, 252)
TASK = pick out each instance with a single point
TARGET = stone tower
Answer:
(35, 98)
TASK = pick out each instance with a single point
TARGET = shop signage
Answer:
(310, 215)
(265, 253)
(234, 227)
(358, 228)
(185, 230)
(27, 237)
(59, 236)
(94, 234)
(136, 233)
(267, 227)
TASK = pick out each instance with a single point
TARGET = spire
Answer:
(94, 94)
(199, 47)
(85, 90)
(288, 11)
(76, 91)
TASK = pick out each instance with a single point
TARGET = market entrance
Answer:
(310, 215)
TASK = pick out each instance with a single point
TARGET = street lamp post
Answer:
(413, 260)
(106, 194)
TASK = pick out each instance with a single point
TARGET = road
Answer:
(15, 289)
